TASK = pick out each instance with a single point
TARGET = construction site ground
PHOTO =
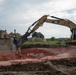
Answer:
(39, 61)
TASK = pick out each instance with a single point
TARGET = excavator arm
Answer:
(55, 20)
(62, 22)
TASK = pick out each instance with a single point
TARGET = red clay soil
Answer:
(35, 55)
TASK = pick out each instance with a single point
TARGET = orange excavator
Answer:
(55, 20)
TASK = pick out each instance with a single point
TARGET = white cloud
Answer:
(24, 13)
(2, 2)
(54, 30)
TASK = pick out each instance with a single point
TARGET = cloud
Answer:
(2, 5)
(20, 14)
(54, 30)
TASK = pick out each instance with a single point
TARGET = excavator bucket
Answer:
(35, 55)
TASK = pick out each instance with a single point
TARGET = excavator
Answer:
(15, 60)
(55, 20)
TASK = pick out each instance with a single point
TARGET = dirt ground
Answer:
(58, 61)
(55, 67)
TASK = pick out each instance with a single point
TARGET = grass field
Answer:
(42, 44)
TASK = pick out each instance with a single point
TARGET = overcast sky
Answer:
(20, 14)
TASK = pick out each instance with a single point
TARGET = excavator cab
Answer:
(73, 36)
(73, 33)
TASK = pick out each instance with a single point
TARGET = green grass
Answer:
(42, 44)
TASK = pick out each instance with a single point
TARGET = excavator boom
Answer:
(55, 20)
(63, 22)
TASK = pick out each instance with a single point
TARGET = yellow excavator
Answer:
(55, 20)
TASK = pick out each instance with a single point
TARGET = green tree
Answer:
(38, 35)
(52, 38)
